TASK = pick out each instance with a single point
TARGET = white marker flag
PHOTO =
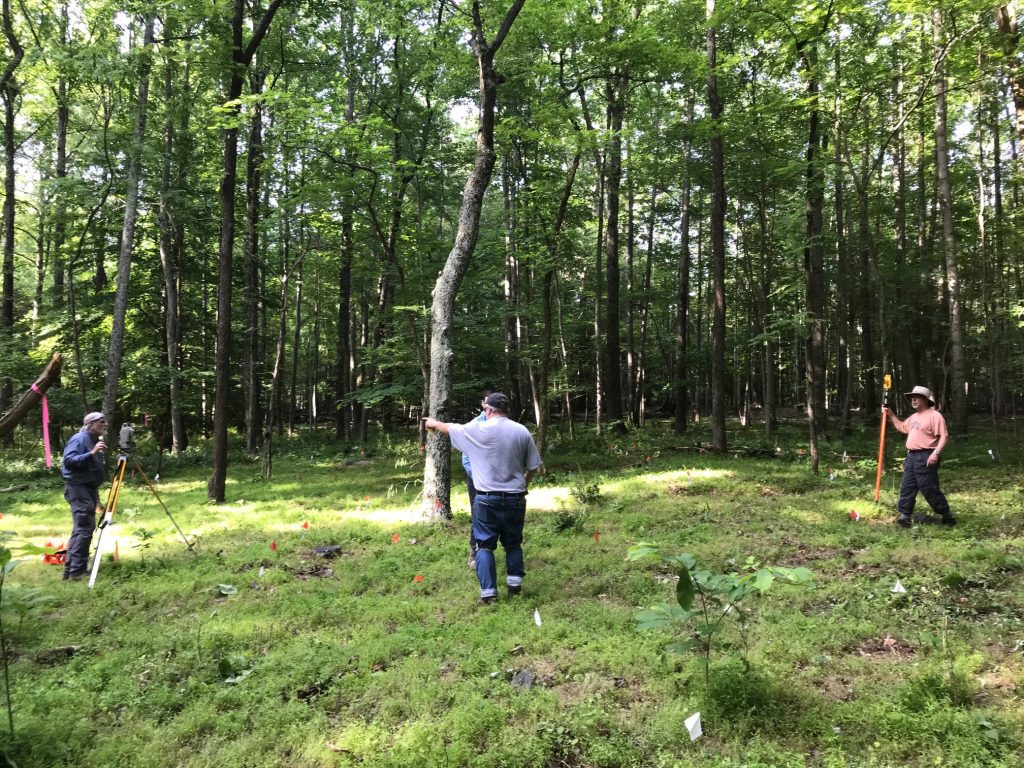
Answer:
(898, 587)
(536, 616)
(693, 726)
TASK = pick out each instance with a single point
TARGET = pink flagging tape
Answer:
(46, 426)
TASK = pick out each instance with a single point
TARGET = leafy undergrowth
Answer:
(248, 654)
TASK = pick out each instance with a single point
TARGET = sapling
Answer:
(6, 566)
(707, 598)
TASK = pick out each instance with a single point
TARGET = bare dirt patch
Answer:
(887, 647)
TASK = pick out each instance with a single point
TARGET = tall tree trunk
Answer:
(616, 97)
(343, 360)
(958, 378)
(293, 391)
(1006, 19)
(170, 252)
(60, 171)
(131, 207)
(645, 306)
(240, 59)
(437, 471)
(718, 440)
(681, 387)
(9, 90)
(814, 259)
(251, 257)
(904, 343)
(549, 288)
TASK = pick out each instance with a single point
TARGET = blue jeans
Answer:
(472, 497)
(918, 476)
(498, 517)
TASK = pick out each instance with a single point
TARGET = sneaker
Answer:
(489, 600)
(950, 521)
(76, 576)
(515, 590)
(903, 522)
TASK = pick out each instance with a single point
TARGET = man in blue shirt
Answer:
(83, 471)
(504, 458)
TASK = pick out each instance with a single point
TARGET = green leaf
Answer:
(653, 618)
(685, 590)
(681, 646)
(763, 580)
(642, 550)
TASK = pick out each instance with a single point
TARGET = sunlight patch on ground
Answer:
(546, 499)
(682, 475)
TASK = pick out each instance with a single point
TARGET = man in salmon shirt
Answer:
(926, 437)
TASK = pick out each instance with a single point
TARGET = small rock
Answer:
(523, 679)
(57, 655)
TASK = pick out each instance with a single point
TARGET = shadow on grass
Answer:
(743, 701)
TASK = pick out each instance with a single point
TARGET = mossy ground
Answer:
(359, 661)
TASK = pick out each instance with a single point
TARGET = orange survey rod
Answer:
(887, 385)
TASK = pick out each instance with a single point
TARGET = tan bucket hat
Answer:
(920, 392)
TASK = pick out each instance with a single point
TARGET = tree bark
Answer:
(681, 385)
(170, 261)
(131, 207)
(31, 397)
(718, 439)
(958, 378)
(616, 97)
(9, 90)
(240, 59)
(549, 288)
(437, 471)
(1006, 19)
(251, 257)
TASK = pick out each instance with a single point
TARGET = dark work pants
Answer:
(83, 500)
(918, 476)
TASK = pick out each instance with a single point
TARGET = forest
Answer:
(236, 218)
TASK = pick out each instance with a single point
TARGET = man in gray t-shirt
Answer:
(504, 458)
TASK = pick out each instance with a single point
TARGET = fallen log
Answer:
(31, 398)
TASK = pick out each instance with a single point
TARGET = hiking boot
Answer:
(515, 590)
(948, 521)
(903, 522)
(489, 600)
(76, 576)
(926, 520)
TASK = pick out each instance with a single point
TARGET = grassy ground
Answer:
(240, 655)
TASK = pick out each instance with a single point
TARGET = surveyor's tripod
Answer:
(112, 497)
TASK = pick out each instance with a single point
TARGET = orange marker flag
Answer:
(886, 386)
(273, 546)
(305, 524)
(394, 538)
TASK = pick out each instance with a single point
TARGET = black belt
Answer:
(919, 450)
(509, 494)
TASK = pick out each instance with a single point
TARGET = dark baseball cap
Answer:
(497, 401)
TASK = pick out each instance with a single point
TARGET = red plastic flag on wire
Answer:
(273, 546)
